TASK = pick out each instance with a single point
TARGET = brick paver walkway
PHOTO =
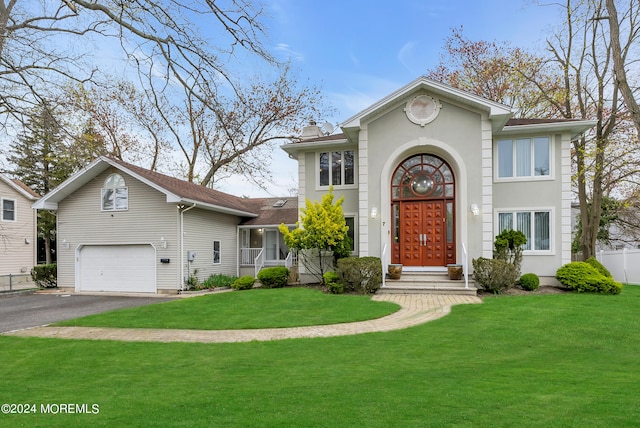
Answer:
(416, 309)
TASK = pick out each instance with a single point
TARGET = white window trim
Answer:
(552, 227)
(337, 186)
(496, 165)
(15, 210)
(355, 231)
(213, 252)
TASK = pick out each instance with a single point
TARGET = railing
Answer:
(384, 258)
(465, 266)
(291, 259)
(259, 262)
(248, 255)
(21, 281)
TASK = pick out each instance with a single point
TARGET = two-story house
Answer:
(431, 174)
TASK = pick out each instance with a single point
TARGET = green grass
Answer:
(569, 360)
(269, 308)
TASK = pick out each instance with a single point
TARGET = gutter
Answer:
(182, 211)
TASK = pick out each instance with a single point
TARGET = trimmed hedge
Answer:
(274, 277)
(332, 281)
(583, 277)
(45, 276)
(599, 266)
(243, 283)
(360, 274)
(529, 281)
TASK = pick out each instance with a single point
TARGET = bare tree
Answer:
(42, 43)
(620, 52)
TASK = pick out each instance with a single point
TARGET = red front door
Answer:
(422, 233)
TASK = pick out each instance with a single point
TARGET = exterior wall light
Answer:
(475, 210)
(374, 212)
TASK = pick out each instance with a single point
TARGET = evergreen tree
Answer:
(41, 161)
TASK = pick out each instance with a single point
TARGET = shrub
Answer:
(599, 266)
(508, 247)
(243, 283)
(494, 274)
(529, 281)
(45, 276)
(583, 277)
(274, 277)
(218, 280)
(331, 280)
(360, 274)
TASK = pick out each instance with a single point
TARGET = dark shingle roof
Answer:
(190, 191)
(24, 187)
(270, 214)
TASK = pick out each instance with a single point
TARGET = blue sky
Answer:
(360, 51)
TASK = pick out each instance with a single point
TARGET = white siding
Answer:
(16, 255)
(148, 219)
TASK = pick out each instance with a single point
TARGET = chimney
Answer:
(311, 131)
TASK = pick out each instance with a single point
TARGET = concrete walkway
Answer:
(415, 309)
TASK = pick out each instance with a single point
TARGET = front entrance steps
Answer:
(427, 283)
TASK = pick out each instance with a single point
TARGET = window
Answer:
(8, 210)
(337, 168)
(524, 157)
(351, 233)
(216, 252)
(115, 195)
(536, 226)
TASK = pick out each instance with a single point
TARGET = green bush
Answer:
(508, 246)
(243, 283)
(529, 281)
(332, 281)
(45, 276)
(599, 266)
(218, 280)
(274, 277)
(360, 274)
(583, 277)
(494, 274)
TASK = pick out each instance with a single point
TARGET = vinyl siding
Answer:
(201, 228)
(16, 256)
(149, 218)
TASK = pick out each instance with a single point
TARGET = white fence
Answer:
(624, 265)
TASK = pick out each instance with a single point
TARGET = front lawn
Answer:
(566, 360)
(258, 308)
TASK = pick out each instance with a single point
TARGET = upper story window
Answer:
(337, 168)
(524, 157)
(115, 195)
(8, 210)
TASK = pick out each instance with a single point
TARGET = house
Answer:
(431, 174)
(122, 228)
(17, 227)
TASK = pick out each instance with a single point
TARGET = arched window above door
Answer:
(422, 177)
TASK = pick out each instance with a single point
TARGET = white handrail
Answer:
(259, 262)
(383, 260)
(465, 266)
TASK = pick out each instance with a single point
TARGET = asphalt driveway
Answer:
(19, 311)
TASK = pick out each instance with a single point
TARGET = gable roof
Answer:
(20, 187)
(176, 191)
(498, 113)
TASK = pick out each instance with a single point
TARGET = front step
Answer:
(427, 283)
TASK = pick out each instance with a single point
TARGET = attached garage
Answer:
(117, 268)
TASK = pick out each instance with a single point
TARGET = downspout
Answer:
(182, 211)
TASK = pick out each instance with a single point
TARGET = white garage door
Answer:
(129, 268)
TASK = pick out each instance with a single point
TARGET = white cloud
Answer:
(289, 53)
(406, 54)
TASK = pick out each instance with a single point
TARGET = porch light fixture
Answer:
(475, 210)
(374, 212)
(65, 244)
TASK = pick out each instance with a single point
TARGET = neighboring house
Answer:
(17, 227)
(431, 174)
(123, 228)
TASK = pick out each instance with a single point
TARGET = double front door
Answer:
(425, 235)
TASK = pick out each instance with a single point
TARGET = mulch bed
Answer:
(515, 291)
